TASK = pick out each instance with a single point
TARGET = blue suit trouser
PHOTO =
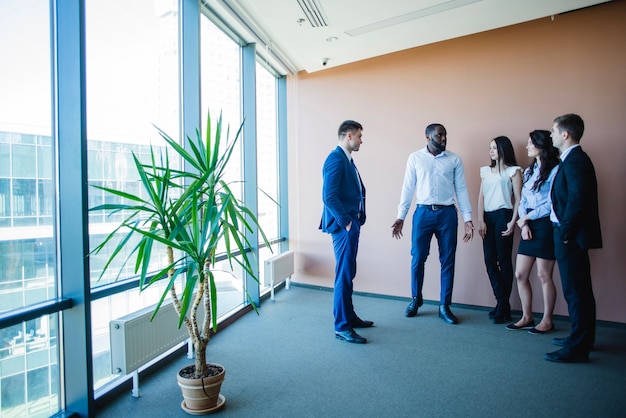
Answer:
(346, 246)
(442, 223)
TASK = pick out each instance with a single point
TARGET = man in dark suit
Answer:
(576, 229)
(343, 195)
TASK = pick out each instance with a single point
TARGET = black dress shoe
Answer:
(350, 336)
(411, 310)
(359, 323)
(565, 355)
(492, 313)
(501, 313)
(501, 319)
(527, 325)
(562, 341)
(446, 314)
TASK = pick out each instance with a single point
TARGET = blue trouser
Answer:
(443, 224)
(345, 245)
(575, 270)
(497, 251)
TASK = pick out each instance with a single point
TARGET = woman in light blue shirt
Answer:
(537, 243)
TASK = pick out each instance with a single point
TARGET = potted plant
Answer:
(187, 211)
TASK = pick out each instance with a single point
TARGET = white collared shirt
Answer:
(434, 180)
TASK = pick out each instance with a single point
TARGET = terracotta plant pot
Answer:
(202, 395)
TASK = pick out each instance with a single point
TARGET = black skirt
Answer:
(542, 244)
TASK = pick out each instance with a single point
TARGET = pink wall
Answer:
(502, 82)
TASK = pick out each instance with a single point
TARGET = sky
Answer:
(131, 70)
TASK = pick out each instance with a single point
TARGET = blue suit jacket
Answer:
(343, 193)
(575, 200)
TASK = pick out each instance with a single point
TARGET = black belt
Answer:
(433, 207)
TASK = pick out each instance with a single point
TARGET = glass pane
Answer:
(26, 272)
(132, 86)
(221, 89)
(27, 252)
(221, 92)
(29, 369)
(267, 152)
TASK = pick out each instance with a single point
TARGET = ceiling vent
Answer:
(314, 13)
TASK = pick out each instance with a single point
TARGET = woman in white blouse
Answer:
(537, 243)
(498, 200)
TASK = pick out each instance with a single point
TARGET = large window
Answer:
(132, 86)
(91, 113)
(220, 82)
(29, 356)
(267, 163)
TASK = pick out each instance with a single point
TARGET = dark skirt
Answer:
(542, 244)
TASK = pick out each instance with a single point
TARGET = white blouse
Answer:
(497, 188)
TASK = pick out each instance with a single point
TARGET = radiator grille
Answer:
(279, 268)
(135, 340)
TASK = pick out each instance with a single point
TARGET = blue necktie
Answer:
(362, 203)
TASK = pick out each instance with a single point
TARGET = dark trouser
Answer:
(575, 272)
(497, 250)
(443, 224)
(345, 245)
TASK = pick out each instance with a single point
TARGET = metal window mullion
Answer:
(283, 164)
(71, 220)
(189, 68)
(250, 196)
(189, 72)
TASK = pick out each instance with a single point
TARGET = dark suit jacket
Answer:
(575, 200)
(341, 193)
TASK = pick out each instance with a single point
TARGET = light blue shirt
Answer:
(537, 200)
(434, 180)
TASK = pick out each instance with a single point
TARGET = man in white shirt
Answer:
(437, 179)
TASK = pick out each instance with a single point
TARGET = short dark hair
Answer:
(506, 154)
(573, 124)
(348, 126)
(431, 128)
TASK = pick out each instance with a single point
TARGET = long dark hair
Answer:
(506, 154)
(548, 155)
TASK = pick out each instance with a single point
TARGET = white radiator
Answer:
(136, 341)
(278, 268)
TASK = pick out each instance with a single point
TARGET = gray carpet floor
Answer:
(285, 362)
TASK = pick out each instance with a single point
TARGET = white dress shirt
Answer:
(435, 180)
(563, 156)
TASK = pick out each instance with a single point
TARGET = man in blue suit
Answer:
(343, 195)
(576, 230)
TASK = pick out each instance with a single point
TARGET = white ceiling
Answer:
(369, 28)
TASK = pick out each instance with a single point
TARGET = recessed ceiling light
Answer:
(331, 39)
